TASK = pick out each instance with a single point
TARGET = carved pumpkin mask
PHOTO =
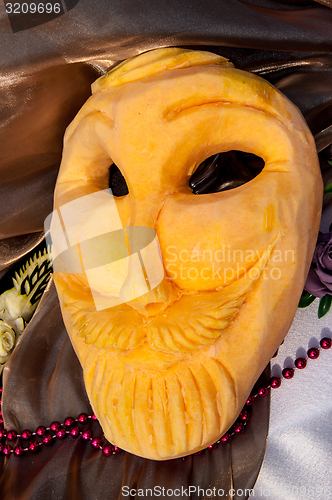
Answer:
(176, 301)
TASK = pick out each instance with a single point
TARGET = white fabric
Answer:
(298, 458)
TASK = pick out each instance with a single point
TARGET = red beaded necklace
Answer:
(72, 426)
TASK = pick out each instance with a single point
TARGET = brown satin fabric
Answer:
(12, 249)
(37, 109)
(46, 74)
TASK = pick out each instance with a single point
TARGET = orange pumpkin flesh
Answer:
(168, 371)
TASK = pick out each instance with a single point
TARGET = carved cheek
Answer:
(208, 241)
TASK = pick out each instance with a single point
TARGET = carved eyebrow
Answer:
(175, 109)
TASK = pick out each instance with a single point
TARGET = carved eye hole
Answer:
(225, 171)
(116, 182)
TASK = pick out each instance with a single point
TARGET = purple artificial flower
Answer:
(319, 280)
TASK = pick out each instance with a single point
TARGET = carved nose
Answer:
(146, 289)
(151, 303)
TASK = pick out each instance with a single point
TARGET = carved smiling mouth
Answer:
(191, 322)
(196, 321)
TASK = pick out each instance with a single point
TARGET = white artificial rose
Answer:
(18, 304)
(13, 305)
(7, 342)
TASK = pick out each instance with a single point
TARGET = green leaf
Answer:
(324, 305)
(328, 189)
(306, 299)
(330, 162)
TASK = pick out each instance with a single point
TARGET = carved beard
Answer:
(156, 383)
(168, 378)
